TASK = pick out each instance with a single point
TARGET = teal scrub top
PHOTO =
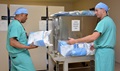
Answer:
(106, 27)
(16, 29)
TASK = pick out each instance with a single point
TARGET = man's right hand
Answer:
(71, 41)
(32, 46)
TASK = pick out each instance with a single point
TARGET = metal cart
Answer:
(57, 58)
(75, 27)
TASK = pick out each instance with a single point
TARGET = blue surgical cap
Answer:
(102, 5)
(21, 10)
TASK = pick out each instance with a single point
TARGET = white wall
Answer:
(4, 64)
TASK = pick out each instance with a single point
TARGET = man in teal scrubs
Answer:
(17, 43)
(104, 38)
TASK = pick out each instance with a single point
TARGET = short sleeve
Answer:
(100, 27)
(14, 30)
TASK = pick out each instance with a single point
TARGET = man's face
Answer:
(98, 12)
(24, 18)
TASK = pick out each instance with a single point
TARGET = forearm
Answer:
(16, 44)
(87, 39)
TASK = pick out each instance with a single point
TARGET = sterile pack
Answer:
(40, 38)
(78, 49)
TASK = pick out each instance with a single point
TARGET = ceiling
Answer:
(48, 0)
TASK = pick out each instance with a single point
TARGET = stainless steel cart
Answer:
(66, 60)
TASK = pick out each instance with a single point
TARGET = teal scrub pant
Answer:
(21, 62)
(104, 59)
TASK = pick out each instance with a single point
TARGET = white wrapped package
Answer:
(64, 48)
(40, 38)
(78, 49)
(87, 47)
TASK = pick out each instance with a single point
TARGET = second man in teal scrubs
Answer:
(104, 38)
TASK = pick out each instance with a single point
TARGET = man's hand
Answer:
(92, 48)
(32, 46)
(71, 41)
